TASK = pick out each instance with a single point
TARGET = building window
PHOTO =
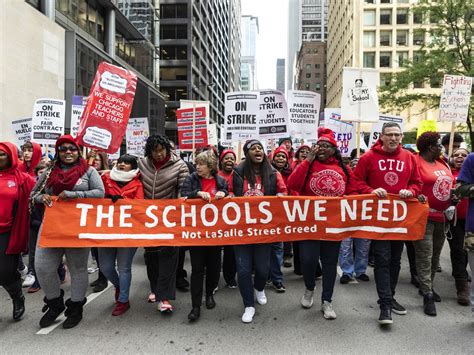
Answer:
(317, 75)
(369, 59)
(308, 66)
(417, 17)
(318, 87)
(173, 73)
(141, 55)
(173, 52)
(402, 37)
(402, 16)
(87, 62)
(385, 16)
(369, 1)
(174, 11)
(173, 32)
(385, 1)
(369, 39)
(306, 86)
(402, 58)
(369, 17)
(317, 66)
(435, 81)
(175, 93)
(385, 79)
(418, 84)
(308, 75)
(386, 38)
(418, 37)
(403, 1)
(385, 59)
(418, 56)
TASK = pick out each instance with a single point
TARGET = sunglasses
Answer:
(71, 148)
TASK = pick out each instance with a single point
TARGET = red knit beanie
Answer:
(225, 152)
(283, 150)
(326, 135)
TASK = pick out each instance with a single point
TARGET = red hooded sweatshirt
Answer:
(15, 189)
(392, 171)
(321, 179)
(35, 159)
(132, 190)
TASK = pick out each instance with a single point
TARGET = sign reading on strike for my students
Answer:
(455, 97)
(137, 134)
(273, 115)
(359, 100)
(189, 132)
(241, 116)
(303, 113)
(242, 220)
(22, 131)
(104, 120)
(48, 120)
(377, 127)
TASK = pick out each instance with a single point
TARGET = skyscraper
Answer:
(200, 51)
(280, 74)
(248, 63)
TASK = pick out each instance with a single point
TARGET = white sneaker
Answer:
(307, 299)
(327, 310)
(24, 272)
(247, 317)
(261, 298)
(29, 280)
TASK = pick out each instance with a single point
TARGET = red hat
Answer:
(281, 150)
(327, 135)
(66, 138)
(225, 152)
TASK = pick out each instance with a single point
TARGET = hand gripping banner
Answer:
(230, 221)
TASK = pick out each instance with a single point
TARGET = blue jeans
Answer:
(123, 279)
(276, 261)
(346, 256)
(310, 253)
(247, 258)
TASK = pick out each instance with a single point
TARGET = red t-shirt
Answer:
(228, 177)
(209, 185)
(258, 187)
(9, 194)
(437, 183)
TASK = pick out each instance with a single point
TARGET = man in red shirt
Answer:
(387, 168)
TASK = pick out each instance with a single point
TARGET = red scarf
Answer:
(159, 164)
(64, 180)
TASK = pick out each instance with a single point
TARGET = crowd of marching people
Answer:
(30, 185)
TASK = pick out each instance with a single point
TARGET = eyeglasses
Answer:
(325, 146)
(71, 148)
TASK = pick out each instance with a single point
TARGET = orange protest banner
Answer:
(242, 220)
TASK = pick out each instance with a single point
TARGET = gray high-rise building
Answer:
(280, 74)
(307, 21)
(200, 51)
(248, 63)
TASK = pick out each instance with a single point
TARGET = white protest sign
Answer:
(212, 134)
(303, 109)
(273, 116)
(455, 97)
(377, 126)
(48, 120)
(77, 108)
(344, 132)
(240, 117)
(22, 131)
(137, 133)
(359, 101)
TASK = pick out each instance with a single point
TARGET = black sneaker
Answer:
(287, 261)
(363, 277)
(232, 284)
(345, 279)
(279, 287)
(429, 305)
(398, 308)
(385, 316)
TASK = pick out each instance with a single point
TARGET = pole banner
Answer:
(230, 221)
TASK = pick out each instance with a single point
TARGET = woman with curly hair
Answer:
(437, 183)
(162, 174)
(204, 183)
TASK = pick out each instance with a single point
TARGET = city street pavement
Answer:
(280, 327)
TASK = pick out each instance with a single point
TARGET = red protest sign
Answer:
(105, 117)
(186, 132)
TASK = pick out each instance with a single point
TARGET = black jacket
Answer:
(269, 189)
(192, 185)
